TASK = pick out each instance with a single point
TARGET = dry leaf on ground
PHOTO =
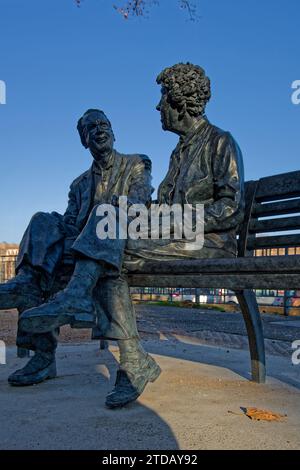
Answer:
(265, 415)
(260, 415)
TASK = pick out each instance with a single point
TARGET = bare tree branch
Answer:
(191, 9)
(135, 8)
(140, 7)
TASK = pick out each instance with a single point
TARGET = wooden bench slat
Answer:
(274, 225)
(276, 241)
(253, 264)
(230, 281)
(281, 186)
(276, 208)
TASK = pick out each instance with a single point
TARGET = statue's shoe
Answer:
(65, 308)
(20, 292)
(130, 384)
(40, 367)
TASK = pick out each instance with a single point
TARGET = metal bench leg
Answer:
(249, 307)
(103, 344)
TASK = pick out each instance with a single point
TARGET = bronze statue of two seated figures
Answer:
(206, 168)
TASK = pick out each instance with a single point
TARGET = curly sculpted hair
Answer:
(187, 86)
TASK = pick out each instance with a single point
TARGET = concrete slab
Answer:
(188, 407)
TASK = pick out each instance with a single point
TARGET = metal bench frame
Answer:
(265, 198)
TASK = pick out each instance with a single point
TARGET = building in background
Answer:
(8, 255)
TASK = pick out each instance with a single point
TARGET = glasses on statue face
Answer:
(97, 126)
(102, 124)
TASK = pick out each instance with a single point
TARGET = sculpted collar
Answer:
(104, 165)
(186, 140)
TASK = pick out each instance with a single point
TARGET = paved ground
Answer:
(218, 328)
(186, 408)
(195, 404)
(208, 326)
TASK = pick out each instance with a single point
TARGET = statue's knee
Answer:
(42, 219)
(40, 215)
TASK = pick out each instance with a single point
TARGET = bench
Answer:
(266, 199)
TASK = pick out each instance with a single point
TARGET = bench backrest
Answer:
(269, 198)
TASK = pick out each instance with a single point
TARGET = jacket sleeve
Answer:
(227, 210)
(140, 188)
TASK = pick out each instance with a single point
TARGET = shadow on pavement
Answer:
(69, 411)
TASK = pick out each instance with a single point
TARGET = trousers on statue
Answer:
(48, 243)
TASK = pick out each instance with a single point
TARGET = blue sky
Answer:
(58, 60)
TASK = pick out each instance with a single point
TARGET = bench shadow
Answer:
(213, 355)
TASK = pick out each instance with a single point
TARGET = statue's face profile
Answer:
(98, 133)
(169, 115)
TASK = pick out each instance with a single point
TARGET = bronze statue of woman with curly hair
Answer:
(206, 168)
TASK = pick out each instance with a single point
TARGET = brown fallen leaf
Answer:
(258, 415)
(265, 415)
